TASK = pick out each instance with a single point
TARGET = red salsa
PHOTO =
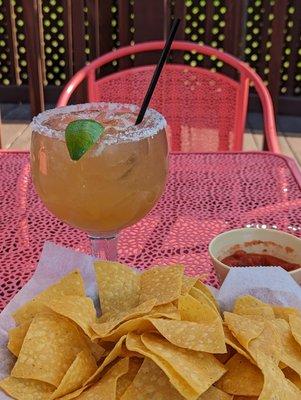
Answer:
(242, 259)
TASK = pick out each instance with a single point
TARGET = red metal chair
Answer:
(205, 110)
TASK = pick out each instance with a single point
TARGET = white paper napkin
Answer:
(270, 284)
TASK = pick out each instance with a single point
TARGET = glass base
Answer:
(104, 247)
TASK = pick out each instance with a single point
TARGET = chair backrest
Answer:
(205, 110)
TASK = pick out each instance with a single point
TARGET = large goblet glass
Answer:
(114, 184)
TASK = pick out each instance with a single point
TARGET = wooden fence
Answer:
(44, 42)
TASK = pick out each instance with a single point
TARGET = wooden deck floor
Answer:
(15, 131)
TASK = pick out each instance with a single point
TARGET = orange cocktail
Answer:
(116, 182)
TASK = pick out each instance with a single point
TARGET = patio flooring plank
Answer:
(249, 144)
(11, 131)
(294, 143)
(22, 142)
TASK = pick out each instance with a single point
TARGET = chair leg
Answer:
(265, 143)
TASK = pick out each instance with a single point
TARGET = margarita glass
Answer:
(114, 184)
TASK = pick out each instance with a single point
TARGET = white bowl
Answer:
(255, 240)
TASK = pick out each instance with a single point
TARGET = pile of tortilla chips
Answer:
(160, 336)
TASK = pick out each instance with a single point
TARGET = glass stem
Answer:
(104, 248)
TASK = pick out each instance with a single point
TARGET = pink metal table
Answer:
(206, 193)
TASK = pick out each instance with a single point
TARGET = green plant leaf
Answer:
(80, 136)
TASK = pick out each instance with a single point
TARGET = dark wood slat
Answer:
(124, 22)
(105, 16)
(33, 55)
(264, 26)
(149, 25)
(93, 31)
(79, 45)
(41, 40)
(67, 29)
(17, 94)
(12, 41)
(235, 22)
(124, 30)
(177, 11)
(287, 105)
(209, 11)
(14, 93)
(296, 34)
(78, 34)
(233, 30)
(209, 22)
(105, 33)
(277, 39)
(174, 9)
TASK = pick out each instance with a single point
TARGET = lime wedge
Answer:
(80, 136)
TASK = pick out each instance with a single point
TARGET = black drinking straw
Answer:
(157, 71)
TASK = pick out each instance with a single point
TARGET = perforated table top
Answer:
(206, 193)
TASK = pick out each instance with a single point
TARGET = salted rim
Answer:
(152, 123)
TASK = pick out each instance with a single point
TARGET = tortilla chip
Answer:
(259, 313)
(165, 311)
(275, 383)
(119, 286)
(242, 377)
(211, 335)
(113, 354)
(249, 305)
(234, 343)
(96, 350)
(79, 372)
(285, 312)
(75, 395)
(205, 336)
(104, 328)
(71, 284)
(214, 393)
(151, 383)
(266, 350)
(195, 311)
(128, 353)
(26, 389)
(76, 308)
(291, 351)
(16, 338)
(187, 283)
(49, 348)
(292, 376)
(295, 324)
(266, 346)
(134, 343)
(203, 299)
(224, 357)
(243, 328)
(139, 325)
(161, 283)
(199, 370)
(126, 380)
(201, 287)
(105, 389)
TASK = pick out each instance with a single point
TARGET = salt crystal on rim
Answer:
(152, 123)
